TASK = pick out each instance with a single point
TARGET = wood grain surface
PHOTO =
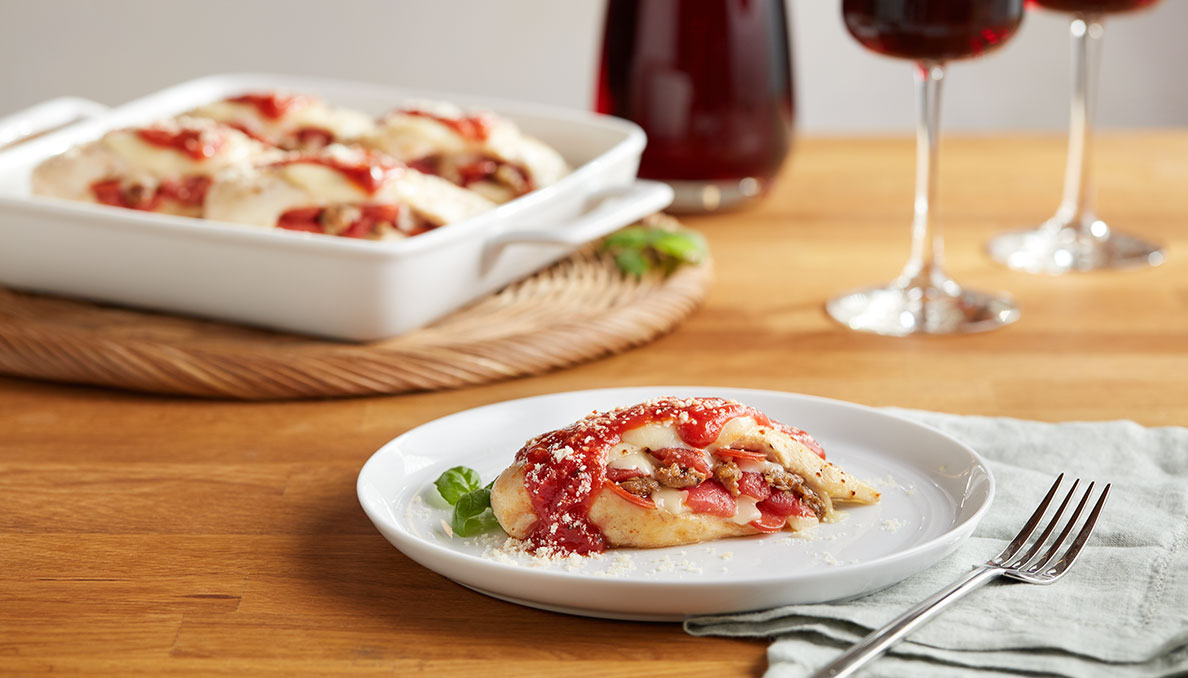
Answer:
(151, 536)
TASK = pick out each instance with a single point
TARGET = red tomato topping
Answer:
(369, 174)
(785, 504)
(638, 501)
(198, 144)
(271, 104)
(426, 165)
(252, 134)
(710, 497)
(190, 191)
(741, 454)
(473, 127)
(370, 217)
(768, 522)
(683, 457)
(753, 485)
(135, 196)
(620, 474)
(314, 137)
(477, 171)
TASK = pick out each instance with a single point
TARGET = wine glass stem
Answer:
(924, 266)
(1076, 208)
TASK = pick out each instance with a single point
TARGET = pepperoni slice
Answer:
(741, 454)
(712, 498)
(618, 475)
(753, 485)
(785, 504)
(769, 522)
(634, 499)
(683, 457)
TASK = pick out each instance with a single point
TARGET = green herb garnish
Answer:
(460, 486)
(456, 482)
(639, 249)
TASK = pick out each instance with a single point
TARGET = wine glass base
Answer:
(1062, 250)
(899, 311)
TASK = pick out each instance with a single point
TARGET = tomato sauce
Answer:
(565, 469)
(369, 175)
(471, 127)
(310, 220)
(195, 143)
(270, 104)
(189, 192)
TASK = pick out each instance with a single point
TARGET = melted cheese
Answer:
(152, 159)
(670, 500)
(746, 511)
(748, 466)
(341, 122)
(325, 183)
(733, 430)
(627, 456)
(654, 437)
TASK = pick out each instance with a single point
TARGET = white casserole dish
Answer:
(313, 284)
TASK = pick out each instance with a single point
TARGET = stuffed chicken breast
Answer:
(288, 121)
(165, 167)
(342, 191)
(668, 472)
(479, 151)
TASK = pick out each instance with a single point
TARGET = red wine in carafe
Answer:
(710, 81)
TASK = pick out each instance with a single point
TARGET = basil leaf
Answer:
(639, 249)
(632, 237)
(472, 514)
(456, 482)
(632, 262)
(685, 246)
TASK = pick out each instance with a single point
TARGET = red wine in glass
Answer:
(1075, 238)
(710, 82)
(923, 299)
(937, 31)
(1092, 6)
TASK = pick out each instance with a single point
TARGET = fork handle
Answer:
(879, 641)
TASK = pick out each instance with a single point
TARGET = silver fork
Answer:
(1031, 566)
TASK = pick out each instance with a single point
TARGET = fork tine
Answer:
(1039, 564)
(1052, 522)
(1021, 538)
(1074, 550)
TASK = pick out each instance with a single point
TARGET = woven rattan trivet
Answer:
(579, 309)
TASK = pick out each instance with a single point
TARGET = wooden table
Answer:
(143, 535)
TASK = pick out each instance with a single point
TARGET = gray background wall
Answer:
(546, 50)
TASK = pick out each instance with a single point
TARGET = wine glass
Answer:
(710, 81)
(1075, 239)
(924, 299)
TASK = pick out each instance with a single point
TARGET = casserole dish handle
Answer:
(614, 208)
(45, 117)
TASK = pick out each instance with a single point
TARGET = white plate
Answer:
(935, 491)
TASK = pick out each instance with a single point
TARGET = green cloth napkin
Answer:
(1121, 611)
